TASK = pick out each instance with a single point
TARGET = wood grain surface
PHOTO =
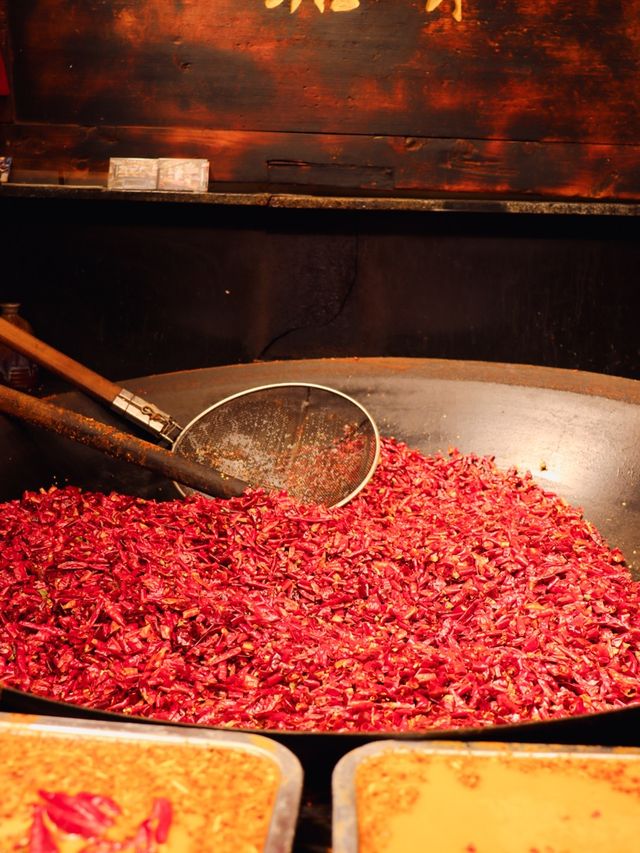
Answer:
(506, 98)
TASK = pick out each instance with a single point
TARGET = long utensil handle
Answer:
(120, 445)
(75, 373)
(142, 412)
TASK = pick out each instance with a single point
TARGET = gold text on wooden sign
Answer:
(350, 5)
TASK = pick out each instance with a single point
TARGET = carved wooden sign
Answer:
(482, 96)
(351, 5)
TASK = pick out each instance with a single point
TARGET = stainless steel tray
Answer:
(285, 809)
(345, 828)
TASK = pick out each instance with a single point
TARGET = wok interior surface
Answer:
(577, 433)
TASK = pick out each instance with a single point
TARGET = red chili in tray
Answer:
(90, 816)
(447, 594)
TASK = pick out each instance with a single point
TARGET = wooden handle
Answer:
(114, 443)
(64, 366)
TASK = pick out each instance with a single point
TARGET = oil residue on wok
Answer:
(447, 594)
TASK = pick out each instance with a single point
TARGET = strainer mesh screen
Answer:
(312, 442)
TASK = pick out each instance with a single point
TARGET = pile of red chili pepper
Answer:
(447, 594)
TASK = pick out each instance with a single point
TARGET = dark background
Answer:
(133, 287)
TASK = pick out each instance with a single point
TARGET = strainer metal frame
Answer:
(253, 390)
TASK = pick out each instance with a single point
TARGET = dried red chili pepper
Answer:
(104, 806)
(161, 817)
(446, 594)
(82, 814)
(143, 841)
(90, 815)
(40, 839)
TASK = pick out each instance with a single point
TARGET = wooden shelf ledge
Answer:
(292, 201)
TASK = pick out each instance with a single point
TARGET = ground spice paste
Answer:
(410, 802)
(447, 594)
(156, 798)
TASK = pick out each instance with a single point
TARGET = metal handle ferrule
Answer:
(147, 415)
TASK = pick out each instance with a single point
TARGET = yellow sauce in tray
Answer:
(221, 797)
(412, 802)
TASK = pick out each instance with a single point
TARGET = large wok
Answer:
(578, 433)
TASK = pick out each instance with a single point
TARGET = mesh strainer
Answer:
(314, 442)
